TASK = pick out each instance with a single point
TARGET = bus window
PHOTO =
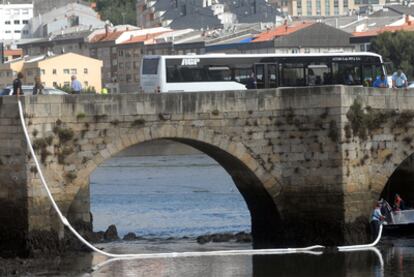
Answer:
(370, 72)
(150, 66)
(292, 75)
(272, 75)
(260, 76)
(241, 75)
(219, 73)
(318, 74)
(346, 74)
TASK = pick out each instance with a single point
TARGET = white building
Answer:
(14, 19)
(57, 20)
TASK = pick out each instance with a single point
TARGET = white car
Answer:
(28, 90)
(411, 84)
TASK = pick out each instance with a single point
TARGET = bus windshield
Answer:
(150, 66)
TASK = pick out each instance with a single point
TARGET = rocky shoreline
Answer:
(73, 257)
(111, 235)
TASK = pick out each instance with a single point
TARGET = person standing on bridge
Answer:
(76, 86)
(251, 82)
(376, 220)
(399, 80)
(17, 84)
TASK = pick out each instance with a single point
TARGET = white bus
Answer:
(218, 72)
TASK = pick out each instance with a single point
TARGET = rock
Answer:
(130, 236)
(203, 239)
(243, 237)
(111, 233)
(95, 237)
(224, 237)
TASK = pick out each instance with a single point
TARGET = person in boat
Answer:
(399, 204)
(376, 220)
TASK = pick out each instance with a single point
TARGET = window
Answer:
(66, 71)
(85, 71)
(346, 73)
(73, 71)
(17, 31)
(25, 32)
(370, 72)
(7, 22)
(42, 72)
(150, 66)
(86, 83)
(8, 32)
(241, 75)
(25, 11)
(55, 84)
(318, 74)
(16, 22)
(54, 71)
(128, 78)
(25, 21)
(16, 12)
(293, 75)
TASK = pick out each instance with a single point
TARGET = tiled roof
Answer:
(13, 52)
(142, 38)
(281, 31)
(406, 27)
(110, 36)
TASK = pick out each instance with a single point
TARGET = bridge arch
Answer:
(258, 188)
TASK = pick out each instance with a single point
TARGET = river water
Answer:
(169, 200)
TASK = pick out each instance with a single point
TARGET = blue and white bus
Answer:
(219, 72)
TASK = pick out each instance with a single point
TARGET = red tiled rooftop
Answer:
(13, 52)
(371, 33)
(110, 36)
(143, 38)
(281, 31)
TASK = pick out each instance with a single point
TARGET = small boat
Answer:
(398, 223)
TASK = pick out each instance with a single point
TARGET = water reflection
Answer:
(387, 261)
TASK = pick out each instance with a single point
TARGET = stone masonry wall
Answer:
(306, 175)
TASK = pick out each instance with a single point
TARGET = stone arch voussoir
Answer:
(199, 134)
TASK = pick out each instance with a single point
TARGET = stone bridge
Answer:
(309, 162)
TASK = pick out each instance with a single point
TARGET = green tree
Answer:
(398, 48)
(117, 11)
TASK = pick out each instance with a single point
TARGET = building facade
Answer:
(72, 17)
(14, 19)
(327, 7)
(54, 71)
(8, 72)
(59, 44)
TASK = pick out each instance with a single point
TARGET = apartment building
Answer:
(54, 71)
(327, 7)
(14, 19)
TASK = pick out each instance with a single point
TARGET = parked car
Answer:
(28, 90)
(411, 84)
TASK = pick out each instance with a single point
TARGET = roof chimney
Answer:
(106, 30)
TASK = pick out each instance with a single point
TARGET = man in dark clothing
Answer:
(251, 82)
(17, 84)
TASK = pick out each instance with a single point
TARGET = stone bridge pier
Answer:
(309, 162)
